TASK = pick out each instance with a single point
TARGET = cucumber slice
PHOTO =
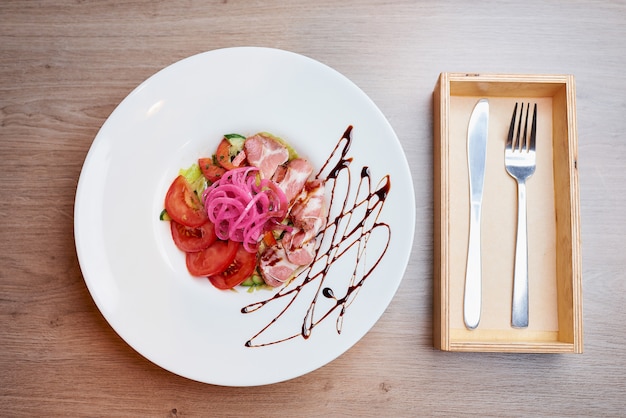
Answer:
(254, 280)
(248, 282)
(164, 216)
(236, 142)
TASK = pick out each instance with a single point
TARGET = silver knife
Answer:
(476, 156)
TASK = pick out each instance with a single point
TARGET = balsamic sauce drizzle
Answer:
(352, 221)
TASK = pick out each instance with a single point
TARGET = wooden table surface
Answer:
(64, 67)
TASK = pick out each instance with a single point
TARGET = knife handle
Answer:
(473, 280)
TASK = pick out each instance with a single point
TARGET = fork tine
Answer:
(518, 144)
(533, 129)
(509, 139)
(523, 146)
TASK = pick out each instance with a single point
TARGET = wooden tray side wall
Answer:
(439, 327)
(569, 271)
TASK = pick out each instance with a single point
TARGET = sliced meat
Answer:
(308, 215)
(280, 262)
(309, 210)
(297, 250)
(275, 267)
(265, 153)
(239, 158)
(279, 175)
(295, 177)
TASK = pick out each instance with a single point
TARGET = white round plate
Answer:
(138, 278)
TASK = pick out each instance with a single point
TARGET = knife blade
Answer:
(476, 158)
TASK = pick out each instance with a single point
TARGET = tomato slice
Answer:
(223, 155)
(212, 260)
(211, 171)
(190, 239)
(239, 270)
(183, 205)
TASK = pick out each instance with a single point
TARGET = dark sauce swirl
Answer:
(352, 221)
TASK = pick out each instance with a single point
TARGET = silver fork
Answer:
(520, 162)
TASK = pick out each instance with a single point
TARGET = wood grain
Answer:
(64, 67)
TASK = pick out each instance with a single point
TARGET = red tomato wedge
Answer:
(239, 270)
(190, 239)
(223, 155)
(212, 260)
(210, 171)
(183, 205)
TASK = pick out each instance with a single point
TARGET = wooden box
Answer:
(555, 282)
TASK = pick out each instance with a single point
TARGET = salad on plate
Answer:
(247, 215)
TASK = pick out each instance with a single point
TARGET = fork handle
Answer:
(519, 315)
(473, 280)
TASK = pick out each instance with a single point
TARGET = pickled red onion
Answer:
(243, 206)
